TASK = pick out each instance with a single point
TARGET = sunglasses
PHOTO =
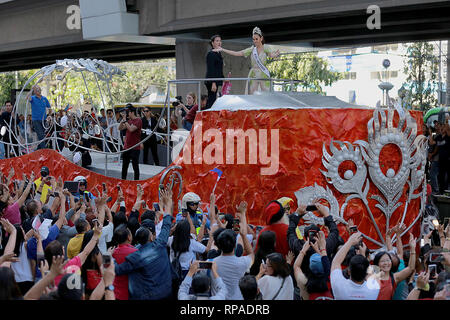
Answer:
(146, 110)
(193, 203)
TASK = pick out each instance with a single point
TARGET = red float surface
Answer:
(302, 134)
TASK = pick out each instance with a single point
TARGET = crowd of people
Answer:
(109, 131)
(62, 245)
(438, 163)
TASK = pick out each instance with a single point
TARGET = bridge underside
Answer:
(426, 21)
(398, 24)
(108, 51)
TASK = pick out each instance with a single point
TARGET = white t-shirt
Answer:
(106, 236)
(231, 269)
(22, 268)
(115, 128)
(346, 289)
(269, 286)
(188, 256)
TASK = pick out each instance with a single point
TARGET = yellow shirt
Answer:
(45, 189)
(74, 246)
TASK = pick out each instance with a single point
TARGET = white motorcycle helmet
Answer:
(81, 180)
(189, 197)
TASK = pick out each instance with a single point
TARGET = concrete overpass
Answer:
(36, 33)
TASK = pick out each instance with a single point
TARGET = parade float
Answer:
(365, 164)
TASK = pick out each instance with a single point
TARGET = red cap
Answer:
(272, 209)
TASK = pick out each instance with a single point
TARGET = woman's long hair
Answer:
(317, 283)
(19, 239)
(9, 290)
(181, 237)
(90, 262)
(279, 265)
(266, 245)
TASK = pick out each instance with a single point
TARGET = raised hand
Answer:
(290, 257)
(11, 172)
(324, 211)
(242, 208)
(301, 210)
(58, 264)
(305, 247)
(43, 266)
(412, 242)
(8, 226)
(140, 191)
(9, 257)
(422, 279)
(355, 238)
(322, 241)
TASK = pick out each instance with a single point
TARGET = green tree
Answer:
(8, 83)
(74, 90)
(128, 88)
(421, 69)
(312, 70)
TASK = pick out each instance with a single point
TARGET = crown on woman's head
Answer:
(257, 31)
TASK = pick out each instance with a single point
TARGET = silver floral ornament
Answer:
(381, 134)
(310, 195)
(351, 182)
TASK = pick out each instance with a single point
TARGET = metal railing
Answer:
(284, 83)
(199, 81)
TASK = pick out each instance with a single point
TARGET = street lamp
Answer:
(386, 86)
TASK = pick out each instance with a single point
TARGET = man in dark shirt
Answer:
(132, 138)
(443, 145)
(149, 122)
(5, 120)
(214, 69)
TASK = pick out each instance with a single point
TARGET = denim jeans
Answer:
(2, 151)
(39, 129)
(187, 125)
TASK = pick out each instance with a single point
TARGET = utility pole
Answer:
(447, 100)
(440, 78)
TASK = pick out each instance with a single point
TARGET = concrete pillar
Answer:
(191, 63)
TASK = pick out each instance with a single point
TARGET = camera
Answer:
(179, 100)
(312, 235)
(205, 264)
(435, 257)
(432, 268)
(353, 229)
(236, 226)
(106, 260)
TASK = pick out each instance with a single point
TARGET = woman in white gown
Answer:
(259, 54)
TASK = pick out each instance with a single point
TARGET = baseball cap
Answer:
(45, 171)
(315, 263)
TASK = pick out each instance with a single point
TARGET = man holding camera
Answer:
(44, 178)
(133, 128)
(311, 232)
